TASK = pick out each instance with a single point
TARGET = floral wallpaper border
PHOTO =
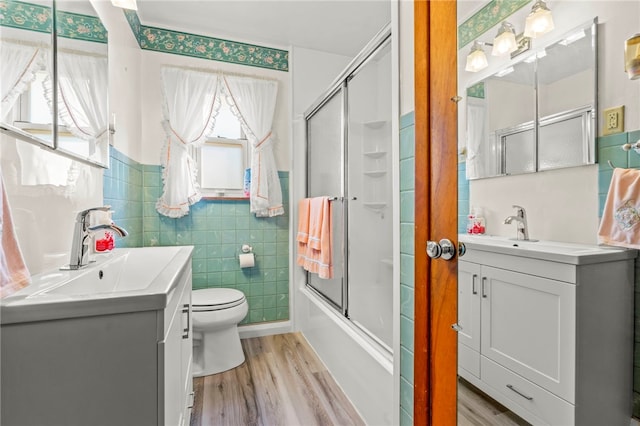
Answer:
(476, 91)
(35, 17)
(199, 46)
(486, 18)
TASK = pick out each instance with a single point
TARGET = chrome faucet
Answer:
(82, 234)
(521, 223)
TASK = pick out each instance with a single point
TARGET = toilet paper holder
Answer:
(246, 248)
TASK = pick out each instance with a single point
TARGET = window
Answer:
(223, 158)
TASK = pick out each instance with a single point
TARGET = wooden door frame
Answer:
(436, 216)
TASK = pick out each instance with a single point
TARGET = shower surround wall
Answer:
(216, 228)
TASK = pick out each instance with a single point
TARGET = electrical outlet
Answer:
(613, 120)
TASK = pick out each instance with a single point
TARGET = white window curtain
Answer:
(18, 66)
(82, 89)
(476, 139)
(254, 102)
(190, 107)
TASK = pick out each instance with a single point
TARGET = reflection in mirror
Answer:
(567, 100)
(82, 87)
(26, 69)
(505, 136)
(500, 116)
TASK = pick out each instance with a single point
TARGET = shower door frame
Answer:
(340, 85)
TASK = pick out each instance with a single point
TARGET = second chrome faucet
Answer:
(521, 223)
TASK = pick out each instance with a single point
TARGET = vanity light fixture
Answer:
(505, 41)
(125, 4)
(539, 21)
(476, 59)
(504, 72)
(572, 38)
(632, 57)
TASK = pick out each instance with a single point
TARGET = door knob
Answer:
(444, 249)
(462, 249)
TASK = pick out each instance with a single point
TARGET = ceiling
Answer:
(336, 26)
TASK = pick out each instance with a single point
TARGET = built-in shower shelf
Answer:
(375, 154)
(375, 124)
(388, 262)
(375, 206)
(375, 173)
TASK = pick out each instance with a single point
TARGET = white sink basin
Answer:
(547, 250)
(126, 280)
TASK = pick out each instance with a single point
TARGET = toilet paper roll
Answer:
(247, 260)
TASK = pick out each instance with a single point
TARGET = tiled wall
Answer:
(122, 190)
(407, 221)
(217, 229)
(609, 150)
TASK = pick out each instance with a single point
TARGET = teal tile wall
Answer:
(217, 229)
(407, 222)
(609, 150)
(122, 190)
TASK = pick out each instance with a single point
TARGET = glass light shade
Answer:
(476, 60)
(504, 43)
(125, 4)
(539, 21)
(632, 57)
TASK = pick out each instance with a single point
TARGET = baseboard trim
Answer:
(264, 329)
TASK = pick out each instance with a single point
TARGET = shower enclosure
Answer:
(349, 159)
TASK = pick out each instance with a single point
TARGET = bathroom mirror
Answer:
(26, 68)
(82, 89)
(66, 110)
(538, 112)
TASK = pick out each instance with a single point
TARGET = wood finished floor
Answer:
(477, 409)
(282, 382)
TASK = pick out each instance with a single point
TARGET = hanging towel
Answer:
(317, 253)
(620, 225)
(13, 271)
(302, 237)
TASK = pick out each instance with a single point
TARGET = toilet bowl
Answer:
(216, 313)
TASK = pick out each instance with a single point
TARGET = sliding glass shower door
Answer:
(325, 178)
(349, 160)
(370, 219)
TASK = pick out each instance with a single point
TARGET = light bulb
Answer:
(505, 41)
(539, 21)
(476, 59)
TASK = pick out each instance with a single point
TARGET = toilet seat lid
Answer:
(214, 299)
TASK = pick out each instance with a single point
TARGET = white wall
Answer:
(124, 80)
(153, 137)
(406, 57)
(562, 205)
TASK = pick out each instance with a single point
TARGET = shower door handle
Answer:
(444, 248)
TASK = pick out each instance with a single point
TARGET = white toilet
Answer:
(216, 313)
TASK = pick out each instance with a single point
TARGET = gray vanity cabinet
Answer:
(549, 339)
(124, 368)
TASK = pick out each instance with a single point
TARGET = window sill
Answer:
(214, 198)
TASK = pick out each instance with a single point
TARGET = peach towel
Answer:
(13, 271)
(315, 236)
(620, 225)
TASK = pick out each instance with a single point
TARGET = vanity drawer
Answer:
(469, 360)
(527, 398)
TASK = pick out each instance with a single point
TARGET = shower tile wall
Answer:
(609, 150)
(407, 221)
(217, 229)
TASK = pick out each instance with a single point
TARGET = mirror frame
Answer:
(20, 134)
(590, 115)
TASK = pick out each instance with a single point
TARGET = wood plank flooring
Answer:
(478, 409)
(282, 382)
